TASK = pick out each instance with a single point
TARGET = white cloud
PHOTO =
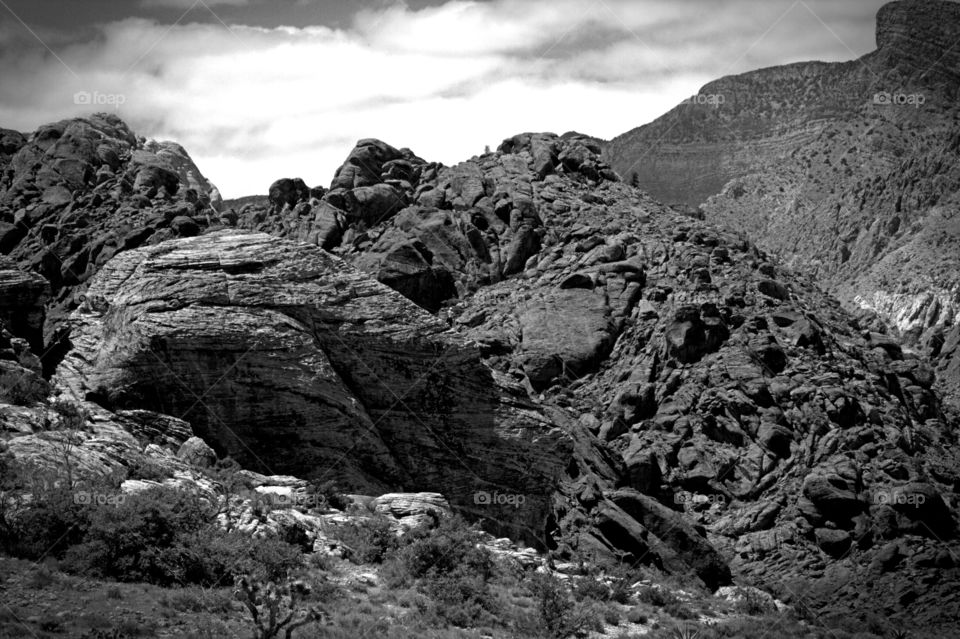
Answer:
(187, 4)
(252, 104)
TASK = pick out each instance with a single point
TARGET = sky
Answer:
(256, 90)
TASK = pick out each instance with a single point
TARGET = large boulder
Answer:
(565, 333)
(284, 357)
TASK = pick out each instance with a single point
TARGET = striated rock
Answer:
(232, 314)
(413, 509)
(23, 296)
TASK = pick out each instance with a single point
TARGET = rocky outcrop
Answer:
(436, 233)
(286, 358)
(23, 298)
(75, 193)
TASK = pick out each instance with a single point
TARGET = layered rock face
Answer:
(75, 193)
(848, 171)
(286, 358)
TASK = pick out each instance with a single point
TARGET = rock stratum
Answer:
(846, 170)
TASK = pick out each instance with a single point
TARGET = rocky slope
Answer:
(602, 376)
(848, 171)
(75, 193)
(727, 386)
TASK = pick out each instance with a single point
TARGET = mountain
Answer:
(847, 171)
(522, 338)
(724, 384)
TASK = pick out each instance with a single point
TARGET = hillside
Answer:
(846, 171)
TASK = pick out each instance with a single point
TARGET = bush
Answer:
(368, 541)
(148, 470)
(659, 597)
(137, 539)
(590, 588)
(559, 615)
(447, 565)
(218, 559)
(327, 493)
(46, 521)
(22, 387)
(678, 610)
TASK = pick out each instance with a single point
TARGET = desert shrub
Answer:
(368, 541)
(752, 603)
(637, 615)
(136, 539)
(447, 564)
(217, 559)
(451, 546)
(274, 608)
(560, 616)
(22, 388)
(148, 470)
(677, 610)
(659, 597)
(590, 588)
(40, 515)
(327, 493)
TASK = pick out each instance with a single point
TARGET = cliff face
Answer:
(848, 171)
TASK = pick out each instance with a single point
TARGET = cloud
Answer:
(188, 4)
(253, 104)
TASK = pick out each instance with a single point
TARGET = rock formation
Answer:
(847, 171)
(75, 193)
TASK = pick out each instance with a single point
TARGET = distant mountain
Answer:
(849, 171)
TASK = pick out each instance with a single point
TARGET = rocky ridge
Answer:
(726, 385)
(848, 171)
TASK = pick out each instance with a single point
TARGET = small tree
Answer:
(274, 608)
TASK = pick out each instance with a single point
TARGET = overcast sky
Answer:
(261, 89)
